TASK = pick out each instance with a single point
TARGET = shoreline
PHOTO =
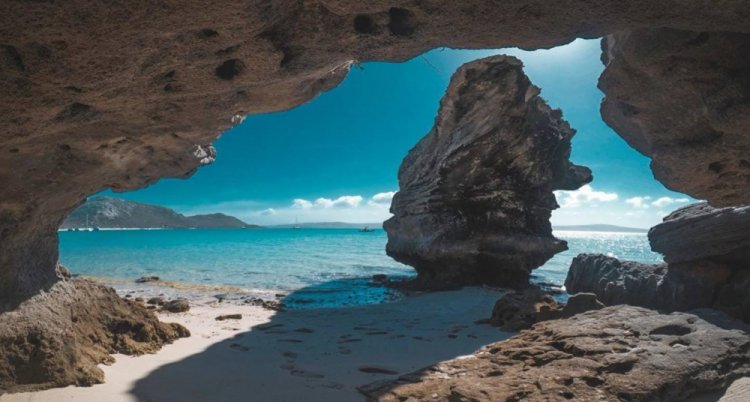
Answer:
(303, 354)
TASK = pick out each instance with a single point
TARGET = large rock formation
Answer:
(97, 95)
(708, 265)
(475, 193)
(621, 353)
(59, 337)
(681, 97)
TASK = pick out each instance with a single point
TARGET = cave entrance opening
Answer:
(334, 160)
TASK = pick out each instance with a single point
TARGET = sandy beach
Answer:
(310, 355)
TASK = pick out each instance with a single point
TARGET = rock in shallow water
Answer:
(615, 281)
(707, 256)
(475, 193)
(613, 354)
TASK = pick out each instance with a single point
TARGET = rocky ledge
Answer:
(707, 256)
(59, 337)
(475, 193)
(621, 353)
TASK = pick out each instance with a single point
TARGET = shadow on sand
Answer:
(323, 354)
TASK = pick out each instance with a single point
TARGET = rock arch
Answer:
(97, 95)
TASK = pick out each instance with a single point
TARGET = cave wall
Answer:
(695, 121)
(97, 95)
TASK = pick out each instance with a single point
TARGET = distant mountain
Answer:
(330, 225)
(600, 228)
(108, 212)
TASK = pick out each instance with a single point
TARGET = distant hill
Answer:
(330, 225)
(108, 212)
(600, 228)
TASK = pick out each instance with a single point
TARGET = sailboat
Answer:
(296, 224)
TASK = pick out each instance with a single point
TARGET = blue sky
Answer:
(336, 157)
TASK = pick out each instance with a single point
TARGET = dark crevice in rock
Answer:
(75, 111)
(206, 33)
(12, 59)
(365, 24)
(402, 22)
(230, 69)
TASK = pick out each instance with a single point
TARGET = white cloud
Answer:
(346, 208)
(584, 195)
(301, 204)
(638, 202)
(664, 201)
(383, 198)
(345, 201)
(644, 202)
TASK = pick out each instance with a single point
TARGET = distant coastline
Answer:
(100, 213)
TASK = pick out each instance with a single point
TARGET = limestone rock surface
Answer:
(475, 193)
(673, 287)
(680, 97)
(98, 95)
(614, 281)
(613, 354)
(699, 231)
(59, 337)
(517, 310)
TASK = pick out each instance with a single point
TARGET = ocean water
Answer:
(316, 267)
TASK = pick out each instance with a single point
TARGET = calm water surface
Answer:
(336, 263)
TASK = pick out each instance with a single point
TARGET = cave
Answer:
(116, 96)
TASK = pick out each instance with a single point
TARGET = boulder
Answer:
(60, 337)
(146, 279)
(158, 301)
(702, 232)
(517, 310)
(581, 303)
(475, 193)
(614, 281)
(672, 287)
(612, 354)
(176, 306)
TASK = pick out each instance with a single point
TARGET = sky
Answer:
(336, 157)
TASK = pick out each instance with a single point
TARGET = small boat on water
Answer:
(296, 224)
(366, 229)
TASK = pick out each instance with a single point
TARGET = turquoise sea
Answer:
(317, 266)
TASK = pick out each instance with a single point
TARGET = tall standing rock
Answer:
(476, 192)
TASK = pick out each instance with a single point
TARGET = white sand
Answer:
(299, 355)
